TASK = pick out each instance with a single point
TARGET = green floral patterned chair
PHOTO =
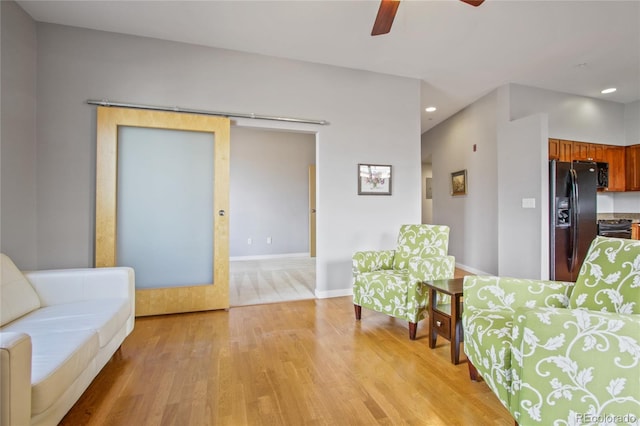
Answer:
(558, 353)
(390, 281)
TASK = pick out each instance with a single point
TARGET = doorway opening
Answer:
(271, 221)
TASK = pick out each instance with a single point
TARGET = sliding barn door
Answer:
(162, 195)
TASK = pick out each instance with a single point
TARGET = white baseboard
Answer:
(471, 270)
(268, 256)
(334, 293)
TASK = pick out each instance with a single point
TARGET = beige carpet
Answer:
(253, 282)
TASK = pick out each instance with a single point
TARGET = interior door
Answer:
(162, 196)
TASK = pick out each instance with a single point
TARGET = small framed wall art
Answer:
(374, 179)
(459, 182)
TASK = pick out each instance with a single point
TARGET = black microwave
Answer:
(602, 175)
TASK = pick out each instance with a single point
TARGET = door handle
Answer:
(574, 220)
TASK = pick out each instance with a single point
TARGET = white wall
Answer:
(605, 203)
(632, 123)
(18, 136)
(627, 202)
(619, 202)
(523, 232)
(473, 218)
(77, 64)
(269, 191)
(571, 117)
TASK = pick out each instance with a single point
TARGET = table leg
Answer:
(455, 335)
(433, 335)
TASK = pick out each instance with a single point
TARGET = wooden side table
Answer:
(446, 319)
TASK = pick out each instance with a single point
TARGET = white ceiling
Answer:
(459, 52)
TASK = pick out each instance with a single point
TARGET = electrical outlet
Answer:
(249, 241)
(268, 240)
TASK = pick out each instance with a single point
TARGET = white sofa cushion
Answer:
(17, 296)
(105, 317)
(58, 360)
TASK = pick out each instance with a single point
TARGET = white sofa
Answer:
(58, 328)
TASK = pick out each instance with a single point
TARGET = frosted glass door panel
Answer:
(165, 206)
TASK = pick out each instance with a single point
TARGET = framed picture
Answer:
(459, 183)
(427, 188)
(374, 179)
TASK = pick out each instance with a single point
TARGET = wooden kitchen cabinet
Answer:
(554, 149)
(596, 152)
(566, 150)
(632, 154)
(588, 151)
(580, 151)
(624, 162)
(563, 150)
(615, 156)
(635, 231)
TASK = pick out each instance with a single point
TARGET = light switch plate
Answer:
(528, 203)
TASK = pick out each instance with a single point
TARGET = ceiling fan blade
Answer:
(386, 13)
(475, 3)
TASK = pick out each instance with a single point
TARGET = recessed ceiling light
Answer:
(430, 109)
(609, 90)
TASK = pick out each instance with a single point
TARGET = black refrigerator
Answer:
(573, 222)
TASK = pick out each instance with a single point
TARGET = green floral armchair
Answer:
(559, 353)
(390, 281)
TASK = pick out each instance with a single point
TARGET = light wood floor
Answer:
(271, 280)
(294, 363)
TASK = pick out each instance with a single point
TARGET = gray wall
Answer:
(513, 124)
(473, 218)
(18, 136)
(269, 191)
(74, 65)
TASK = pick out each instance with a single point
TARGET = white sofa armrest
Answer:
(15, 379)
